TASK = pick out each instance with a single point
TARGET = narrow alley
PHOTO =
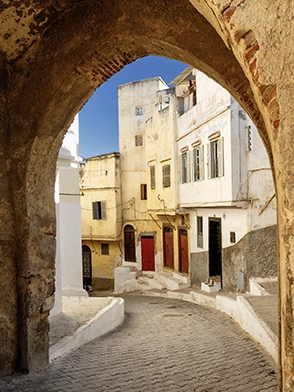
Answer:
(163, 345)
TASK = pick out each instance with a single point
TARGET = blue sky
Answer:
(98, 118)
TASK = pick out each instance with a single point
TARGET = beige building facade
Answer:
(101, 206)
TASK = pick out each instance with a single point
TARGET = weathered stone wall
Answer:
(255, 255)
(100, 284)
(199, 271)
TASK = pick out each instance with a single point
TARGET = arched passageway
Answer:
(54, 55)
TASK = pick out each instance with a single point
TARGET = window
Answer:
(139, 111)
(138, 140)
(152, 177)
(232, 237)
(105, 249)
(215, 158)
(249, 138)
(200, 231)
(184, 167)
(166, 176)
(99, 209)
(143, 191)
(198, 172)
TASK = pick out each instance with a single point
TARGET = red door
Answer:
(168, 247)
(147, 246)
(183, 251)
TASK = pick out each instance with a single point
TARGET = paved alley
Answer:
(164, 345)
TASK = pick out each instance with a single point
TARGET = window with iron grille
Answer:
(166, 176)
(139, 111)
(99, 210)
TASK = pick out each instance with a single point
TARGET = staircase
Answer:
(131, 279)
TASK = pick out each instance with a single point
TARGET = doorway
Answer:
(183, 251)
(147, 249)
(129, 243)
(87, 265)
(168, 247)
(215, 247)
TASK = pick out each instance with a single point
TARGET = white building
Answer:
(225, 185)
(68, 262)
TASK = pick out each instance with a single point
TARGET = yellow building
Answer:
(155, 231)
(101, 219)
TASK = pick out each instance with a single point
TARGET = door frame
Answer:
(164, 249)
(180, 252)
(143, 237)
(219, 266)
(88, 279)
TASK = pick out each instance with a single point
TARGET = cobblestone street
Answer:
(163, 345)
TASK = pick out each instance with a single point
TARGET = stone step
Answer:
(150, 282)
(170, 282)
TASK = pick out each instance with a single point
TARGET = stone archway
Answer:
(53, 56)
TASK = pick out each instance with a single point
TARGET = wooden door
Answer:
(168, 247)
(183, 251)
(129, 243)
(147, 251)
(215, 247)
(87, 264)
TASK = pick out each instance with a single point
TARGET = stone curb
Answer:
(238, 309)
(108, 318)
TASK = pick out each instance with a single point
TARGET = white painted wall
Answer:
(68, 261)
(243, 197)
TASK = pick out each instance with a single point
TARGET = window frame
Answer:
(198, 163)
(143, 191)
(185, 167)
(166, 180)
(99, 210)
(215, 158)
(138, 140)
(104, 246)
(200, 232)
(152, 177)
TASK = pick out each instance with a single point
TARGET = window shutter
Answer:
(208, 160)
(180, 168)
(152, 177)
(201, 162)
(193, 165)
(166, 176)
(220, 157)
(103, 210)
(188, 166)
(95, 210)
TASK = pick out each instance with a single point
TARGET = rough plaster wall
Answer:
(198, 268)
(255, 255)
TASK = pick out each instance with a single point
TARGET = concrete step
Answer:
(169, 281)
(183, 277)
(147, 282)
